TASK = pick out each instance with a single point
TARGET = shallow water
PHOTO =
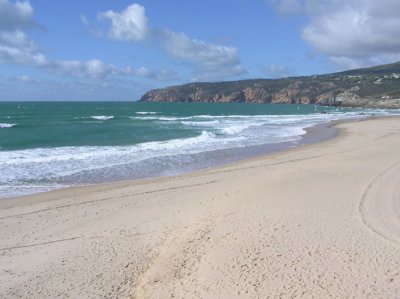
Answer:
(51, 145)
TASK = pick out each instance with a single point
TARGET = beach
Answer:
(320, 220)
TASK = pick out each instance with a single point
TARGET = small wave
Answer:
(232, 116)
(200, 123)
(169, 118)
(235, 129)
(160, 118)
(146, 112)
(202, 118)
(44, 167)
(144, 117)
(185, 144)
(5, 125)
(102, 117)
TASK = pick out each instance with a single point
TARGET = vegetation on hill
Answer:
(377, 87)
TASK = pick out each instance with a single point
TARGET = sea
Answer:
(51, 145)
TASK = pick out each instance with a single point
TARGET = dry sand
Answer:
(318, 221)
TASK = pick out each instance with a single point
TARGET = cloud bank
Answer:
(15, 45)
(17, 48)
(357, 33)
(277, 71)
(15, 15)
(208, 61)
(353, 33)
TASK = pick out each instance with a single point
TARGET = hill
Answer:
(375, 87)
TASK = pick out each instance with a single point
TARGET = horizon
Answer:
(119, 51)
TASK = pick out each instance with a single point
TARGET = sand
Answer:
(318, 221)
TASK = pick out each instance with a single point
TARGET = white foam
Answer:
(5, 125)
(161, 118)
(41, 167)
(146, 112)
(201, 123)
(232, 130)
(18, 190)
(102, 117)
(47, 163)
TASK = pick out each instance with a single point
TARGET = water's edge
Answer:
(316, 134)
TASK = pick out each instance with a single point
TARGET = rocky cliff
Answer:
(376, 87)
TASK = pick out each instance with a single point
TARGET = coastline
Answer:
(301, 222)
(316, 134)
(216, 158)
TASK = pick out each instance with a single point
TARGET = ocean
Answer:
(50, 145)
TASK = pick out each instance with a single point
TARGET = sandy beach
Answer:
(318, 221)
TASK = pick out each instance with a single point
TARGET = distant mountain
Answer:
(375, 87)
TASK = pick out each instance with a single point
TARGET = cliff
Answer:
(376, 87)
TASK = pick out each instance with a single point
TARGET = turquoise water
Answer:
(101, 124)
(51, 145)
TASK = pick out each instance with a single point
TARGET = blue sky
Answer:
(117, 50)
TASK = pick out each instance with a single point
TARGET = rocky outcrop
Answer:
(355, 88)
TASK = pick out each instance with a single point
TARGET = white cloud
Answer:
(352, 33)
(21, 56)
(84, 20)
(180, 46)
(14, 15)
(24, 78)
(127, 25)
(96, 69)
(207, 61)
(143, 72)
(17, 48)
(276, 71)
(361, 32)
(16, 38)
(93, 68)
(165, 75)
(297, 7)
(287, 7)
(15, 45)
(23, 52)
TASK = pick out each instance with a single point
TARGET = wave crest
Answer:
(102, 117)
(6, 125)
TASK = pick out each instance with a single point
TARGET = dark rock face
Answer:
(371, 87)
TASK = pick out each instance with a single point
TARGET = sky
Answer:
(117, 50)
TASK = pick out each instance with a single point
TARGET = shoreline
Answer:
(314, 134)
(301, 222)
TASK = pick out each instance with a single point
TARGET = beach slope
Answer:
(316, 221)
